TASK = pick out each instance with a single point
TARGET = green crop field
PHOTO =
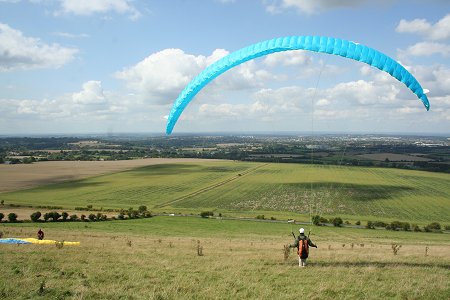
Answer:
(158, 258)
(195, 258)
(252, 188)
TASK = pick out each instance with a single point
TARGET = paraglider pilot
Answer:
(40, 234)
(302, 243)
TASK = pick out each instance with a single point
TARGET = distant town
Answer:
(429, 153)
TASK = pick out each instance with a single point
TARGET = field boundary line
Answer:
(211, 187)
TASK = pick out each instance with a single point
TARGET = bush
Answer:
(147, 214)
(379, 224)
(316, 220)
(1, 216)
(415, 228)
(433, 227)
(121, 216)
(92, 217)
(65, 215)
(358, 222)
(370, 225)
(73, 218)
(260, 217)
(12, 217)
(55, 216)
(406, 226)
(397, 225)
(206, 214)
(35, 216)
(142, 209)
(447, 227)
(337, 222)
(46, 216)
(132, 214)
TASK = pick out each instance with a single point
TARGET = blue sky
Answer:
(111, 66)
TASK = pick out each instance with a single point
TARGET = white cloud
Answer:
(71, 35)
(288, 58)
(18, 52)
(364, 93)
(161, 76)
(435, 78)
(90, 7)
(438, 31)
(310, 6)
(323, 102)
(425, 49)
(89, 103)
(92, 93)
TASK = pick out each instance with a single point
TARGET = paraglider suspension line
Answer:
(313, 99)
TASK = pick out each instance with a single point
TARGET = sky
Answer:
(117, 66)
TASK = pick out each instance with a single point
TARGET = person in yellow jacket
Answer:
(302, 243)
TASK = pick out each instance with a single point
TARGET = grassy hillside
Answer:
(158, 258)
(252, 188)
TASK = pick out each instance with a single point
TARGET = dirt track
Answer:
(22, 176)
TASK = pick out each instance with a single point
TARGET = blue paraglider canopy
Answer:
(319, 44)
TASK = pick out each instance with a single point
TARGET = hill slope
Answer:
(239, 186)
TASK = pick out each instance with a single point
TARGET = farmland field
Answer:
(158, 258)
(217, 258)
(393, 157)
(251, 188)
(20, 176)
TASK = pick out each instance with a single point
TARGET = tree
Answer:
(47, 216)
(65, 215)
(55, 216)
(142, 209)
(12, 217)
(337, 222)
(1, 216)
(35, 216)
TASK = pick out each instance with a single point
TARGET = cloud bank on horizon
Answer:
(84, 66)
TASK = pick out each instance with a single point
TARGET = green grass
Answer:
(157, 258)
(240, 188)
